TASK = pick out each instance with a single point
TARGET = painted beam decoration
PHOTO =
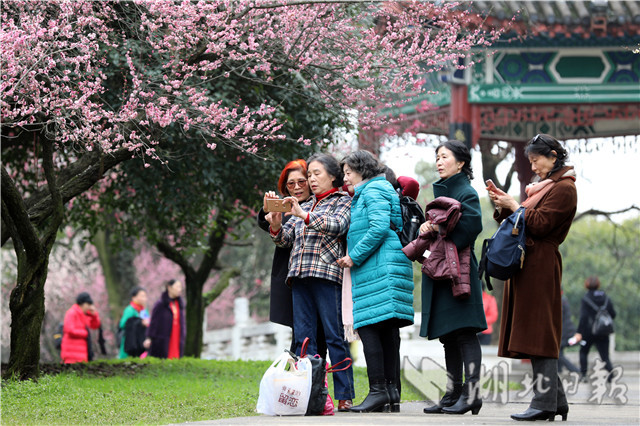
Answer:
(563, 76)
(515, 123)
(553, 93)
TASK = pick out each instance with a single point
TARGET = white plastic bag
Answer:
(285, 387)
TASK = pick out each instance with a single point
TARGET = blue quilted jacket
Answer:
(382, 276)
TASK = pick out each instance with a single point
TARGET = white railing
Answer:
(248, 340)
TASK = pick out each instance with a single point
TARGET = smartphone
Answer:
(278, 205)
(491, 186)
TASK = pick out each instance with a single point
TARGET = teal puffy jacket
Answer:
(382, 276)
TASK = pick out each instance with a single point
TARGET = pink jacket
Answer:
(444, 262)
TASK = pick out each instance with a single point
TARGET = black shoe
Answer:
(465, 402)
(394, 396)
(447, 400)
(562, 411)
(532, 414)
(376, 401)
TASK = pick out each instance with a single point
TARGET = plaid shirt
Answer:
(318, 245)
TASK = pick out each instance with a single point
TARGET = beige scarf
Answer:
(350, 334)
(536, 191)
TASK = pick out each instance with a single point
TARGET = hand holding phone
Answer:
(278, 205)
(491, 186)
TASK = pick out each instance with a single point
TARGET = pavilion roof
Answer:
(551, 12)
(564, 23)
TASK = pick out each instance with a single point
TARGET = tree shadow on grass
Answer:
(102, 369)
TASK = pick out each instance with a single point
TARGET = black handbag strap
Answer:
(593, 304)
(482, 265)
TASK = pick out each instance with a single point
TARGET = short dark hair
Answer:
(331, 165)
(543, 144)
(83, 298)
(592, 283)
(363, 163)
(391, 178)
(137, 289)
(170, 283)
(461, 152)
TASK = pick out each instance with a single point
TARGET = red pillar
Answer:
(460, 115)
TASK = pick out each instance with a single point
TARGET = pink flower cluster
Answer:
(363, 56)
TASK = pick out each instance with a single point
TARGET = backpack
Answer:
(134, 335)
(412, 218)
(57, 336)
(602, 324)
(503, 253)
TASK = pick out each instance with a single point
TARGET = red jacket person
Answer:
(77, 321)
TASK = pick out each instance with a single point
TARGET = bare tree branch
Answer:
(74, 180)
(223, 283)
(595, 212)
(16, 213)
(57, 206)
(176, 257)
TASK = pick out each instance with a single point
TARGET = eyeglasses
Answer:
(293, 183)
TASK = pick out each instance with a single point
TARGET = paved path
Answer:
(411, 414)
(581, 412)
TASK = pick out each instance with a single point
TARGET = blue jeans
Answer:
(313, 298)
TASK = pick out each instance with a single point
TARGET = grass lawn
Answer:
(149, 391)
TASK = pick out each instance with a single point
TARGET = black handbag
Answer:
(503, 253)
(319, 370)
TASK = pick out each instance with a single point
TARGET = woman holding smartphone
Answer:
(531, 325)
(292, 183)
(315, 234)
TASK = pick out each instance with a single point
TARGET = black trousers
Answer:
(548, 392)
(602, 345)
(462, 349)
(484, 339)
(380, 343)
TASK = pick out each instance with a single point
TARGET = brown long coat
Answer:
(531, 322)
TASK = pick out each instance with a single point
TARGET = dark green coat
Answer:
(441, 313)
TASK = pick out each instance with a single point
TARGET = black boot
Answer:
(562, 411)
(447, 400)
(376, 401)
(394, 396)
(469, 401)
(532, 414)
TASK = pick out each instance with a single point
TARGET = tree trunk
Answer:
(118, 270)
(32, 247)
(194, 317)
(490, 162)
(27, 312)
(523, 167)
